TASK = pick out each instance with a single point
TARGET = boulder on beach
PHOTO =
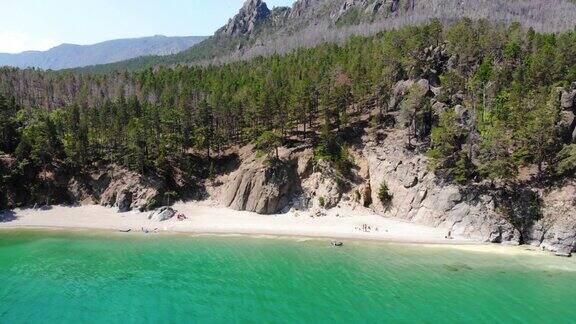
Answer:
(162, 214)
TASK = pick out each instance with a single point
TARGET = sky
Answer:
(42, 24)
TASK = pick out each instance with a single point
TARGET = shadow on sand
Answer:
(7, 216)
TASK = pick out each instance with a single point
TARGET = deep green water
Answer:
(50, 277)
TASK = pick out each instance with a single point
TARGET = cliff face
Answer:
(471, 211)
(522, 212)
(300, 183)
(418, 196)
(311, 22)
(110, 186)
(260, 186)
(253, 13)
(116, 187)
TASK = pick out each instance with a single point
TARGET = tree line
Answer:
(161, 119)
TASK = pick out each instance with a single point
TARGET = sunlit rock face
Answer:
(250, 16)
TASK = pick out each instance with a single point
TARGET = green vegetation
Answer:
(268, 142)
(384, 194)
(158, 120)
(567, 160)
(415, 113)
(170, 196)
(351, 17)
(447, 156)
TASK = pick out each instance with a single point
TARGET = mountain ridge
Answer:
(65, 56)
(257, 30)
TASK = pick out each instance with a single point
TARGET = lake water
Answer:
(53, 277)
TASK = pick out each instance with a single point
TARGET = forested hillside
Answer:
(486, 102)
(260, 31)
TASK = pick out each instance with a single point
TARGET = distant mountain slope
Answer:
(72, 56)
(257, 30)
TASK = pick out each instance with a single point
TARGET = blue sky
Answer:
(42, 24)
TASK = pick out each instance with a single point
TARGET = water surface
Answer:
(52, 277)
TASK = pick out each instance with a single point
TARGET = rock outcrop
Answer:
(371, 7)
(162, 214)
(297, 181)
(400, 90)
(568, 115)
(556, 231)
(568, 98)
(302, 7)
(321, 189)
(260, 185)
(253, 13)
(420, 197)
(117, 187)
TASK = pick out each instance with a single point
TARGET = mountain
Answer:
(72, 56)
(258, 30)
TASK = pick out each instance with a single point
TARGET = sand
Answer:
(209, 218)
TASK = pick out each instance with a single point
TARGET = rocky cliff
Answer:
(117, 187)
(420, 197)
(107, 185)
(568, 120)
(523, 212)
(253, 13)
(260, 185)
(299, 182)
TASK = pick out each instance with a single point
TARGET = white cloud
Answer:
(16, 42)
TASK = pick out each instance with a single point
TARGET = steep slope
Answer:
(71, 56)
(311, 22)
(258, 31)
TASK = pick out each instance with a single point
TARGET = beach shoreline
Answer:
(207, 218)
(266, 235)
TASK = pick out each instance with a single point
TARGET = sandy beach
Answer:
(209, 218)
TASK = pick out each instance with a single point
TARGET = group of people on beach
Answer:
(366, 228)
(179, 216)
(148, 231)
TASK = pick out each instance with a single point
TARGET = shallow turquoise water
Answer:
(50, 277)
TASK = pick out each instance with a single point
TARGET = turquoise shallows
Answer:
(53, 277)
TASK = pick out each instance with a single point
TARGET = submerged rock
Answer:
(337, 244)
